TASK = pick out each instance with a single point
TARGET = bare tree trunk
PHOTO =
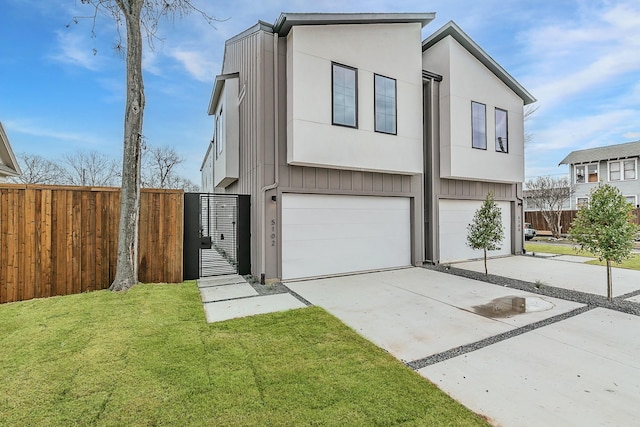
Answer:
(485, 262)
(609, 282)
(127, 266)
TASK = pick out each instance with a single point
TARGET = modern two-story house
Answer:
(362, 146)
(616, 165)
(9, 166)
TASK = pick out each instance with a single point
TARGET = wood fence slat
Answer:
(538, 222)
(57, 240)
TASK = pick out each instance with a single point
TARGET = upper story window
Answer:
(478, 125)
(586, 173)
(385, 104)
(502, 141)
(219, 132)
(632, 199)
(622, 170)
(344, 95)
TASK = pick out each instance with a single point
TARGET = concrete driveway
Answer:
(560, 363)
(564, 271)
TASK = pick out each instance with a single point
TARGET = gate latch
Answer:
(205, 242)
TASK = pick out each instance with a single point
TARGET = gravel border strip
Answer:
(468, 348)
(274, 288)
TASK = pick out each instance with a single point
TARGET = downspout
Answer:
(520, 212)
(276, 155)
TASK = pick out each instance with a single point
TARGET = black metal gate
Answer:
(216, 235)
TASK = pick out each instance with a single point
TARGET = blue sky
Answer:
(580, 59)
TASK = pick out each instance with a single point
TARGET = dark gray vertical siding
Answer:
(335, 181)
(247, 56)
(461, 189)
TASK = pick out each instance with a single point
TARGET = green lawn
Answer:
(632, 263)
(147, 357)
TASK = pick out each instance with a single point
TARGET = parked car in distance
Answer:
(529, 231)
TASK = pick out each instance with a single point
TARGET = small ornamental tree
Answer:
(604, 228)
(486, 231)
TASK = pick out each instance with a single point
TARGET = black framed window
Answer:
(478, 125)
(385, 104)
(502, 131)
(344, 95)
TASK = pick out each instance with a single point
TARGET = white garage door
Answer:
(455, 216)
(327, 234)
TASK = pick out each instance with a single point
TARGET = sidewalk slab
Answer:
(562, 274)
(414, 313)
(218, 293)
(228, 279)
(231, 309)
(582, 371)
(574, 258)
(541, 254)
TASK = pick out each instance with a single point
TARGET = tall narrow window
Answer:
(592, 172)
(385, 104)
(478, 125)
(502, 141)
(614, 171)
(219, 132)
(345, 94)
(630, 169)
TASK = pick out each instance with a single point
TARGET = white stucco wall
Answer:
(465, 79)
(227, 163)
(206, 173)
(391, 50)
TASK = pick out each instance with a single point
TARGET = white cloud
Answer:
(196, 63)
(73, 48)
(573, 57)
(37, 129)
(582, 132)
(631, 135)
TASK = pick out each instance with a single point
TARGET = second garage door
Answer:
(455, 216)
(333, 234)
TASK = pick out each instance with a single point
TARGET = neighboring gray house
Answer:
(9, 167)
(615, 164)
(363, 147)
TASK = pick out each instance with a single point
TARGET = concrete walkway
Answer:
(230, 296)
(562, 363)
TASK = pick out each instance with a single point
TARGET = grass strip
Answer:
(147, 357)
(633, 263)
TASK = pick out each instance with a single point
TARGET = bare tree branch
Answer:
(90, 168)
(38, 170)
(549, 194)
(529, 111)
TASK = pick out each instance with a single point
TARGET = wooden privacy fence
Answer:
(63, 240)
(536, 219)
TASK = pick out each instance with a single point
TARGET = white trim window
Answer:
(633, 200)
(623, 170)
(582, 201)
(478, 125)
(586, 173)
